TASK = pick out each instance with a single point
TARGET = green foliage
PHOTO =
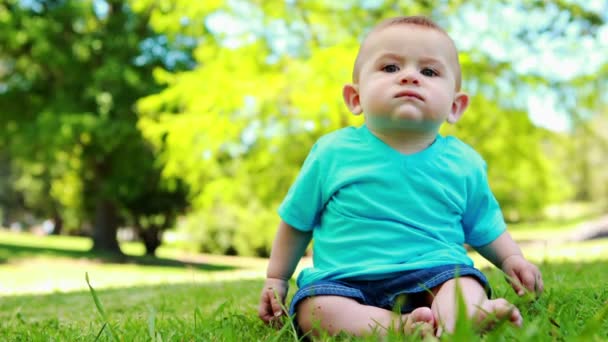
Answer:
(522, 175)
(587, 150)
(71, 79)
(94, 117)
(237, 127)
(231, 229)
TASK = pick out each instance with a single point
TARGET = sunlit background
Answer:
(174, 128)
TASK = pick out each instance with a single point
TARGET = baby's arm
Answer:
(288, 247)
(506, 255)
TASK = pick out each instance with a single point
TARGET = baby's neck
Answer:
(407, 142)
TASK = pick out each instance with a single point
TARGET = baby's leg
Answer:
(333, 314)
(479, 307)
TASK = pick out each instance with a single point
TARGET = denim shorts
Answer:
(408, 289)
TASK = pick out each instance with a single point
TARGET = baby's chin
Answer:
(399, 122)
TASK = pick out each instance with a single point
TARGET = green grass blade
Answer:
(197, 316)
(594, 324)
(100, 309)
(290, 326)
(95, 298)
(20, 317)
(100, 332)
(151, 323)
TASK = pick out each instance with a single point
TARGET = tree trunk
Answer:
(5, 189)
(105, 227)
(58, 221)
(4, 211)
(152, 239)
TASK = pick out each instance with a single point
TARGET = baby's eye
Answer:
(429, 72)
(390, 68)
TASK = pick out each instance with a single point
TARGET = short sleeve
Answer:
(303, 203)
(482, 220)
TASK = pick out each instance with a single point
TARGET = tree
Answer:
(70, 74)
(156, 206)
(590, 137)
(267, 84)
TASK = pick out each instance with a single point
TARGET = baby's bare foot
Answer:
(493, 311)
(420, 320)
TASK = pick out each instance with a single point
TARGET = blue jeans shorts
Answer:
(409, 288)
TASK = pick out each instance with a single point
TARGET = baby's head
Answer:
(420, 22)
(407, 74)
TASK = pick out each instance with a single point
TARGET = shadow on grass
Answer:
(13, 252)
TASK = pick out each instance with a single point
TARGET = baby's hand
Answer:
(523, 275)
(271, 308)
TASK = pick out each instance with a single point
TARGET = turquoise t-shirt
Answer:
(374, 211)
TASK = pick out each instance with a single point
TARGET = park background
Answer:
(149, 143)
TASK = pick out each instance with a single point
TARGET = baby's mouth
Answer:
(409, 94)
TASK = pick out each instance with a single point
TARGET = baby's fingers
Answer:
(536, 282)
(528, 279)
(277, 306)
(265, 310)
(539, 286)
(513, 279)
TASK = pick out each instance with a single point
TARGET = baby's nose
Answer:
(408, 77)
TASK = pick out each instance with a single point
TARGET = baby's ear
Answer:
(460, 104)
(350, 93)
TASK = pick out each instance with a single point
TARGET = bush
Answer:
(231, 229)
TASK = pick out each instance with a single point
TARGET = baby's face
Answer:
(407, 77)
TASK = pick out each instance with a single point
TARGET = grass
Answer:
(212, 298)
(30, 264)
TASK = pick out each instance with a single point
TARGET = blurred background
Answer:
(183, 123)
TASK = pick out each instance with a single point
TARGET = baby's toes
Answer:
(420, 321)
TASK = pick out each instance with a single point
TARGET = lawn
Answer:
(44, 295)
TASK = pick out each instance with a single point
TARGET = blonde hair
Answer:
(420, 21)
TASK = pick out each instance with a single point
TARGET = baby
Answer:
(390, 204)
